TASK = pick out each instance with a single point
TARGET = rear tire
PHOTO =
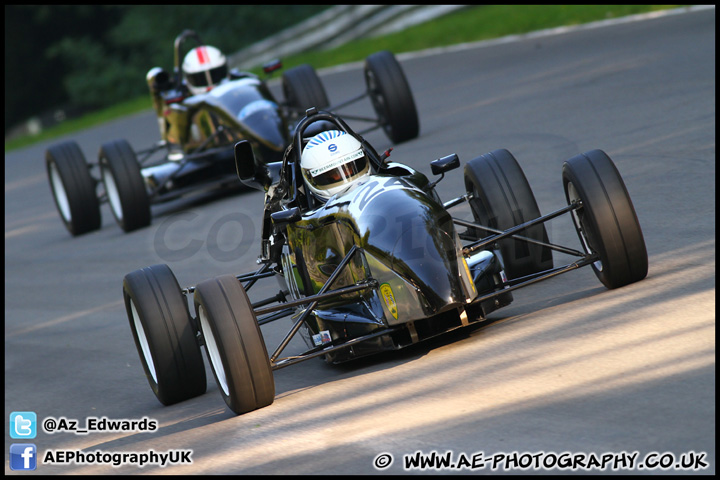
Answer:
(502, 199)
(391, 97)
(124, 185)
(73, 188)
(164, 334)
(234, 344)
(303, 89)
(607, 223)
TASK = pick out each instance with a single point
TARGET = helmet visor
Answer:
(338, 172)
(208, 77)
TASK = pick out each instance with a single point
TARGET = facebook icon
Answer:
(23, 456)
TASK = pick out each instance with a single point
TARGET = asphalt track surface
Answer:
(570, 367)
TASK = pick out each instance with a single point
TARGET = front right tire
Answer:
(234, 344)
(124, 185)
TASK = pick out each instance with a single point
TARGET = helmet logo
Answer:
(332, 147)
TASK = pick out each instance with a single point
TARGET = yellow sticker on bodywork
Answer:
(469, 276)
(389, 298)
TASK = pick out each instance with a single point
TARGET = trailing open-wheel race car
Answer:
(203, 110)
(369, 259)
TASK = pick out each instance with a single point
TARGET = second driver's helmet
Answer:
(203, 68)
(332, 161)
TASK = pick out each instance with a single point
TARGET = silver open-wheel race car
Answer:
(198, 131)
(377, 267)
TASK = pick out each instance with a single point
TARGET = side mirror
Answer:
(244, 160)
(445, 164)
(271, 66)
(284, 217)
(252, 172)
(158, 79)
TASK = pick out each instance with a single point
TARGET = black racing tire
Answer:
(234, 344)
(391, 97)
(303, 89)
(73, 188)
(165, 335)
(502, 199)
(124, 185)
(607, 223)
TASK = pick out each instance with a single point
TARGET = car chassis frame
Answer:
(267, 314)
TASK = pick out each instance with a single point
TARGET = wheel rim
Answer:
(378, 101)
(60, 194)
(572, 197)
(213, 351)
(142, 340)
(112, 193)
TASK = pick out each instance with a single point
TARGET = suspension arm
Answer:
(529, 280)
(313, 305)
(512, 231)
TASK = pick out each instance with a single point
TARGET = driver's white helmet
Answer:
(332, 161)
(204, 67)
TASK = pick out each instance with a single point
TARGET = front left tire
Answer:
(502, 199)
(303, 89)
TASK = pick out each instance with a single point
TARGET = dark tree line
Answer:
(92, 56)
